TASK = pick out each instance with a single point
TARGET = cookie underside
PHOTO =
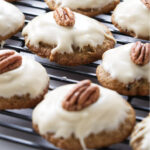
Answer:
(88, 12)
(103, 139)
(139, 87)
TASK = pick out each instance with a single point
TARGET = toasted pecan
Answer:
(9, 60)
(64, 17)
(140, 53)
(82, 95)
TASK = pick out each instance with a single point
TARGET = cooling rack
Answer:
(15, 125)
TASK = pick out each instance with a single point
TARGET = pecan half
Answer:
(64, 17)
(82, 95)
(9, 60)
(140, 53)
(146, 3)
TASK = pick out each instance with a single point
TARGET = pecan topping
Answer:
(64, 17)
(9, 60)
(140, 53)
(146, 3)
(82, 95)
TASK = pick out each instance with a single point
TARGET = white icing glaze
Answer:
(30, 78)
(103, 115)
(133, 15)
(144, 133)
(86, 31)
(74, 4)
(118, 63)
(11, 18)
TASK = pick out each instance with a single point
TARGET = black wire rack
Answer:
(16, 125)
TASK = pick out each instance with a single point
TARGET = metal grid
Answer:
(19, 121)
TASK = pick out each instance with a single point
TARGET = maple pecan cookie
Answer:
(68, 38)
(140, 139)
(132, 17)
(23, 81)
(11, 20)
(83, 115)
(86, 7)
(126, 69)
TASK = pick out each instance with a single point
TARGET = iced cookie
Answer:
(83, 115)
(23, 81)
(86, 7)
(126, 69)
(11, 20)
(140, 139)
(68, 38)
(132, 17)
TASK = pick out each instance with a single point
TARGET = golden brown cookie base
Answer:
(3, 38)
(139, 87)
(88, 12)
(19, 102)
(126, 31)
(102, 139)
(86, 56)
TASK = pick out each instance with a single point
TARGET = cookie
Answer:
(140, 139)
(67, 38)
(83, 115)
(86, 7)
(11, 20)
(23, 81)
(132, 18)
(126, 69)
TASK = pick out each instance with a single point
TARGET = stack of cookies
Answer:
(82, 115)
